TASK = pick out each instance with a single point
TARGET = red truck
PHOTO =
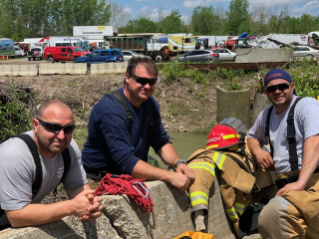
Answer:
(63, 53)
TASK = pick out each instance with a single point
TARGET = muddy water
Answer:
(185, 143)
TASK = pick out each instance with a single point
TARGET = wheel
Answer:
(234, 58)
(309, 56)
(50, 59)
(158, 58)
(29, 58)
(33, 58)
(208, 60)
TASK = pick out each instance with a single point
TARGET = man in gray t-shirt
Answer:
(294, 212)
(52, 134)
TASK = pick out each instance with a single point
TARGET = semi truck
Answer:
(158, 47)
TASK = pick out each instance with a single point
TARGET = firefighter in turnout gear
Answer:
(226, 156)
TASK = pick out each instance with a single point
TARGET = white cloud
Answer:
(186, 19)
(310, 7)
(196, 3)
(154, 14)
(127, 9)
(296, 7)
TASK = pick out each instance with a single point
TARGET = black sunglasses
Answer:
(282, 87)
(143, 81)
(56, 128)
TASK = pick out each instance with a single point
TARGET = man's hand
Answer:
(178, 180)
(291, 186)
(86, 206)
(265, 160)
(183, 168)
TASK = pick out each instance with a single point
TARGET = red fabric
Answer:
(124, 184)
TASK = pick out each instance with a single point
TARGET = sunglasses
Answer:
(282, 87)
(144, 81)
(56, 128)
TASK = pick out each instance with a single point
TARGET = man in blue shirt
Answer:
(119, 145)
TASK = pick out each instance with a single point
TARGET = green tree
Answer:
(141, 24)
(238, 17)
(203, 20)
(172, 23)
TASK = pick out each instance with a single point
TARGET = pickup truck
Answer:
(101, 56)
(35, 53)
(63, 53)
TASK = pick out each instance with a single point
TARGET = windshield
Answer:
(197, 40)
(78, 49)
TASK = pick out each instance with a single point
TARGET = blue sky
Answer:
(150, 8)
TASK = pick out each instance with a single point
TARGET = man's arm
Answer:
(169, 155)
(263, 157)
(37, 214)
(148, 172)
(310, 159)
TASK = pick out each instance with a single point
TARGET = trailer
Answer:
(301, 39)
(212, 40)
(64, 41)
(6, 47)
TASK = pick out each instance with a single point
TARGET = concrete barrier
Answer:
(106, 68)
(171, 216)
(18, 70)
(254, 55)
(62, 68)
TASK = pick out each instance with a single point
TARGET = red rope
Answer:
(134, 188)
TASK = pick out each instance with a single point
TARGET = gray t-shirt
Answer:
(306, 124)
(18, 172)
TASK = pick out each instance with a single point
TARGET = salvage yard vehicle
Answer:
(127, 55)
(35, 53)
(63, 54)
(101, 56)
(18, 52)
(198, 56)
(305, 51)
(226, 54)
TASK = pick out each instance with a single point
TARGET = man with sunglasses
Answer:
(119, 145)
(293, 136)
(52, 134)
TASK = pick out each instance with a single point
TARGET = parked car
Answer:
(63, 53)
(18, 52)
(101, 56)
(301, 51)
(35, 53)
(127, 55)
(226, 54)
(198, 56)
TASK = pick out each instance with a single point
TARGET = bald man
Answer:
(52, 134)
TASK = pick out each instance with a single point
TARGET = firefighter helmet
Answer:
(236, 124)
(222, 137)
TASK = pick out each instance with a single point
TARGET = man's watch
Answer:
(178, 162)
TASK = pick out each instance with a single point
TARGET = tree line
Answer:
(38, 18)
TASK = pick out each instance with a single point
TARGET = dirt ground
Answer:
(186, 106)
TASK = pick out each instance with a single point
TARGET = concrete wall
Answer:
(254, 55)
(62, 68)
(106, 68)
(18, 70)
(171, 216)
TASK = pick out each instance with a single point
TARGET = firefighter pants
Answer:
(295, 214)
